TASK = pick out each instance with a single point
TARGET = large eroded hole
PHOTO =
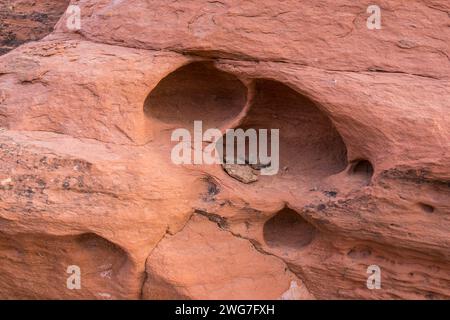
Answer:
(103, 265)
(24, 20)
(197, 91)
(288, 230)
(310, 146)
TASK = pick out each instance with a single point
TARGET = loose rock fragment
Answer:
(243, 173)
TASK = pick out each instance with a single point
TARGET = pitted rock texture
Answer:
(86, 176)
(27, 20)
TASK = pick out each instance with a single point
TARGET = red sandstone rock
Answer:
(86, 177)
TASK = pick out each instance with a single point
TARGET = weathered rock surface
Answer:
(86, 177)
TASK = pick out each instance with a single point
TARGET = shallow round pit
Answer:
(288, 230)
(197, 91)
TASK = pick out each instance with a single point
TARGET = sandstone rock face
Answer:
(87, 180)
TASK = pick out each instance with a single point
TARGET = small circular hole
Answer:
(362, 170)
(363, 167)
(426, 207)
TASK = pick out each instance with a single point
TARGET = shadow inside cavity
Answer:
(310, 148)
